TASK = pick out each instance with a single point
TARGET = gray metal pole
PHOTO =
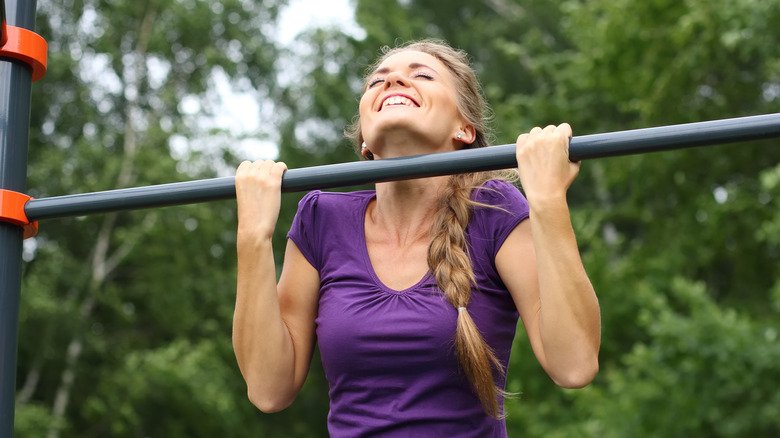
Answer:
(15, 89)
(610, 144)
(3, 35)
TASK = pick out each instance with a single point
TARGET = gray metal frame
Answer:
(15, 89)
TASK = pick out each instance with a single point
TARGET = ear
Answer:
(469, 134)
(365, 152)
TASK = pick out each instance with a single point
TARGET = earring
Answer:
(459, 136)
(365, 152)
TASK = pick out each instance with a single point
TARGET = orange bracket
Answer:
(12, 210)
(26, 46)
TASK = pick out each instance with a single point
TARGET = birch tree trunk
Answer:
(103, 264)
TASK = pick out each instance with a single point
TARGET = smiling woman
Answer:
(408, 102)
(413, 290)
(452, 95)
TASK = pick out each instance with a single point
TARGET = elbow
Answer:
(578, 377)
(268, 404)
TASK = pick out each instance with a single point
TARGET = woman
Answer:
(413, 290)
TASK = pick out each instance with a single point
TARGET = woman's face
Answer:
(409, 106)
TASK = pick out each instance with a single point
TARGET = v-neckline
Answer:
(367, 257)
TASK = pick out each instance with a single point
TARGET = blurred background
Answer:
(126, 317)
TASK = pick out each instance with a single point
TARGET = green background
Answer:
(126, 317)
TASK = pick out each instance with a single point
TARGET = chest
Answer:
(366, 329)
(398, 267)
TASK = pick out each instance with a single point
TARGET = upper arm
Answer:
(298, 291)
(516, 264)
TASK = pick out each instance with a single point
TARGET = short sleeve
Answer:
(508, 207)
(303, 226)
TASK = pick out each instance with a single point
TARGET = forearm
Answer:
(261, 340)
(569, 316)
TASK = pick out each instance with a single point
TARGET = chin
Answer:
(409, 123)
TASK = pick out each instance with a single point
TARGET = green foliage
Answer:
(704, 371)
(179, 390)
(134, 309)
(32, 420)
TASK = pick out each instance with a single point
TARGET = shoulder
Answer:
(323, 215)
(320, 200)
(502, 194)
(501, 208)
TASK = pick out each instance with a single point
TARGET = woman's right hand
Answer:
(259, 197)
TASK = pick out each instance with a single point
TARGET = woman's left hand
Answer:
(543, 162)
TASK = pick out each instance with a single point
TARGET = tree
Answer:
(125, 319)
(677, 243)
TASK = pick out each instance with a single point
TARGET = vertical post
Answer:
(15, 90)
(3, 35)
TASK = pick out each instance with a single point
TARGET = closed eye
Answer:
(375, 82)
(424, 75)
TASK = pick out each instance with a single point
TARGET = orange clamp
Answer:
(12, 210)
(26, 46)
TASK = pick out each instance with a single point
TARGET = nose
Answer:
(395, 78)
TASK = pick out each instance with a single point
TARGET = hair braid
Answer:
(450, 263)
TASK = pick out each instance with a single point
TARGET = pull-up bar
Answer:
(362, 172)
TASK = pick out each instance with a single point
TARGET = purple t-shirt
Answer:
(388, 355)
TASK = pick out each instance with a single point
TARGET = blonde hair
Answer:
(448, 256)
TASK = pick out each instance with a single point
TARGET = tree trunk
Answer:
(102, 264)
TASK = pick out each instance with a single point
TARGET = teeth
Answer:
(398, 100)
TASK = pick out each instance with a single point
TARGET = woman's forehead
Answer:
(405, 58)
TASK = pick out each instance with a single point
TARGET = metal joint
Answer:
(26, 46)
(12, 211)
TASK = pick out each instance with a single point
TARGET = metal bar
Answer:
(362, 172)
(15, 89)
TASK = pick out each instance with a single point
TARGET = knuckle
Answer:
(565, 128)
(243, 167)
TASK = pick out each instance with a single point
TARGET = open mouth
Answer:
(396, 100)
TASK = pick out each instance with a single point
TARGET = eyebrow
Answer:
(412, 66)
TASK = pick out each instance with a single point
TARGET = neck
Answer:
(404, 210)
(402, 143)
